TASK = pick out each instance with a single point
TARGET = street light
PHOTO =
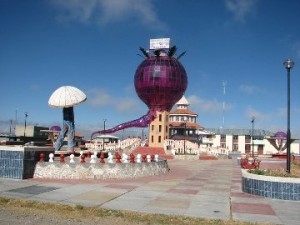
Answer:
(104, 121)
(184, 135)
(26, 115)
(252, 121)
(10, 127)
(288, 64)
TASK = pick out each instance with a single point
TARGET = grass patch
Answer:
(295, 171)
(95, 214)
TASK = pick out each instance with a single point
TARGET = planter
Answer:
(285, 188)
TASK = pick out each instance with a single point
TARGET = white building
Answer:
(185, 133)
(241, 140)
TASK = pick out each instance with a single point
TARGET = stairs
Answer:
(152, 151)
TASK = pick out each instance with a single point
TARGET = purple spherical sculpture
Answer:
(160, 81)
(55, 128)
(280, 135)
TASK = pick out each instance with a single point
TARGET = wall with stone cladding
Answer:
(18, 162)
(57, 170)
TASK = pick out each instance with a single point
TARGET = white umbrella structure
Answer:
(66, 96)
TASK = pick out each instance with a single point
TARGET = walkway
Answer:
(207, 189)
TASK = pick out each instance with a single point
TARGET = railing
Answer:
(187, 147)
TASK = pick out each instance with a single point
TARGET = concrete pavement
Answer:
(198, 188)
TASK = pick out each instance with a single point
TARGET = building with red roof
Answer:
(183, 123)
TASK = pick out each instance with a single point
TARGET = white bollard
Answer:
(138, 158)
(93, 159)
(124, 158)
(148, 158)
(72, 158)
(156, 158)
(51, 156)
(110, 158)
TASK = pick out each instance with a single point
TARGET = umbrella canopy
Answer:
(66, 96)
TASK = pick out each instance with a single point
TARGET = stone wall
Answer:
(57, 170)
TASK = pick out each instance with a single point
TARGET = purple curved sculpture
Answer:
(160, 81)
(140, 122)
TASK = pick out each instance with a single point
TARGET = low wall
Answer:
(57, 170)
(18, 162)
(271, 187)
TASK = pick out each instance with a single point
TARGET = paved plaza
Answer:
(198, 188)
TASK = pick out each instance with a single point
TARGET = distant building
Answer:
(242, 140)
(30, 133)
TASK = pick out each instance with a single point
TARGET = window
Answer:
(235, 147)
(159, 117)
(156, 73)
(223, 138)
(235, 138)
(159, 128)
(152, 127)
(152, 138)
(159, 139)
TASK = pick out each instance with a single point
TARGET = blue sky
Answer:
(93, 45)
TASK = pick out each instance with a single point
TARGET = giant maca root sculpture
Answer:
(160, 81)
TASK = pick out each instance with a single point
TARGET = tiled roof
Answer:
(183, 112)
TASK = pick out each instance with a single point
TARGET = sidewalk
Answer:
(202, 188)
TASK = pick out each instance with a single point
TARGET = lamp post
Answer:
(252, 121)
(26, 115)
(288, 64)
(10, 127)
(104, 121)
(184, 136)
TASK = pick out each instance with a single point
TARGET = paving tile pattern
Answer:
(203, 189)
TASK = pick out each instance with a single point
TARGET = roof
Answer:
(105, 136)
(183, 101)
(182, 112)
(240, 132)
(182, 124)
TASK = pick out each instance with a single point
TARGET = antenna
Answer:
(224, 83)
